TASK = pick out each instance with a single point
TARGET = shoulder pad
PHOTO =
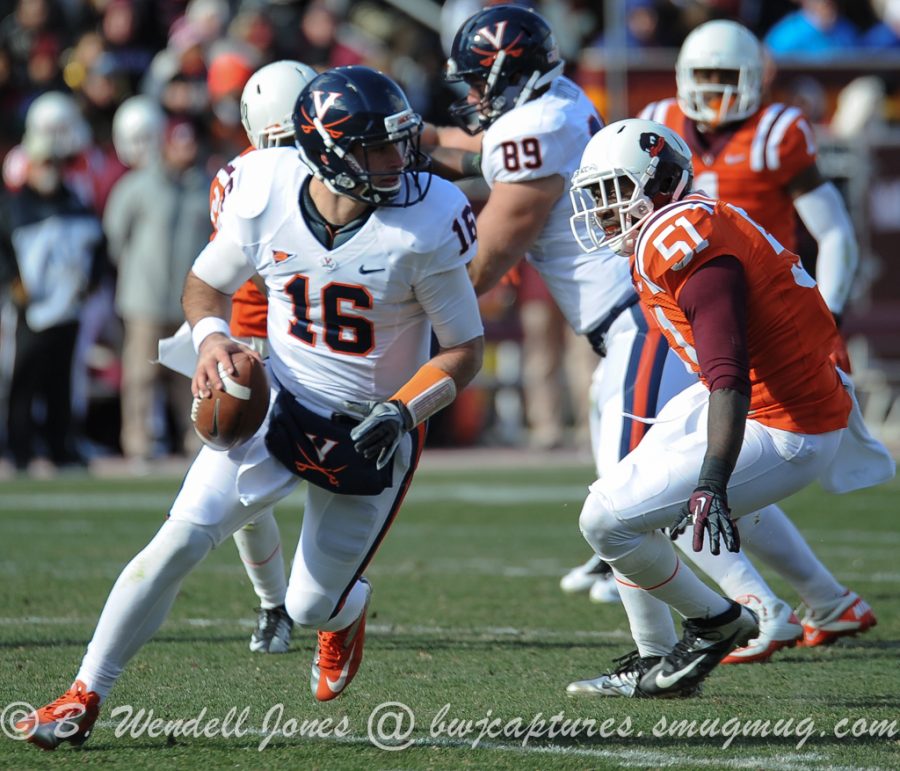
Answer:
(256, 175)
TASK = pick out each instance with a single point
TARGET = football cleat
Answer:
(700, 649)
(778, 628)
(852, 615)
(273, 631)
(622, 681)
(583, 577)
(604, 590)
(68, 719)
(338, 656)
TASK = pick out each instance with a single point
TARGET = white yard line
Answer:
(628, 758)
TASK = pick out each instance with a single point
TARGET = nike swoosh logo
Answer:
(666, 681)
(732, 159)
(364, 270)
(214, 428)
(336, 686)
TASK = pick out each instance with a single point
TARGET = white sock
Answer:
(732, 571)
(653, 565)
(769, 535)
(650, 620)
(353, 606)
(259, 545)
(140, 600)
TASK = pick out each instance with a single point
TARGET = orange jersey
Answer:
(249, 306)
(794, 386)
(749, 166)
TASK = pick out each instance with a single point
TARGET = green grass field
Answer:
(466, 613)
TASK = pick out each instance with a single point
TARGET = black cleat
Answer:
(704, 644)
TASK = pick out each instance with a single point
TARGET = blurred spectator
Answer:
(56, 245)
(34, 36)
(128, 38)
(253, 30)
(177, 74)
(648, 24)
(157, 221)
(886, 33)
(318, 43)
(10, 98)
(817, 28)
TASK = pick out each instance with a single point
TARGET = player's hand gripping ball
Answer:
(230, 417)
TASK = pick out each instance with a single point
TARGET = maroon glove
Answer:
(710, 513)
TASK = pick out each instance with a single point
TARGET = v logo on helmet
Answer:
(322, 104)
(495, 38)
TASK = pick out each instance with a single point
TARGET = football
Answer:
(230, 417)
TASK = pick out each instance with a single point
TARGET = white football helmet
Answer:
(267, 102)
(137, 131)
(720, 45)
(628, 170)
(55, 128)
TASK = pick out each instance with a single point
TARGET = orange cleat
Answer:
(68, 719)
(851, 616)
(778, 628)
(338, 656)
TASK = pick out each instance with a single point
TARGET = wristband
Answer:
(207, 326)
(429, 390)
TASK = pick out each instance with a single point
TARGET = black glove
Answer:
(710, 513)
(597, 339)
(383, 426)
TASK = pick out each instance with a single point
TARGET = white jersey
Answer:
(543, 137)
(352, 322)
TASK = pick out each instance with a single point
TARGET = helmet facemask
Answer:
(609, 209)
(735, 97)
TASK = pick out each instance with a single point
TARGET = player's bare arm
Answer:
(204, 306)
(509, 224)
(460, 362)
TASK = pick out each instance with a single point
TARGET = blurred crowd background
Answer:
(837, 60)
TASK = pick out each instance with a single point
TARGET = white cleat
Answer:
(778, 628)
(605, 590)
(583, 577)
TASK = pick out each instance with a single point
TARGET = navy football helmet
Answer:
(506, 53)
(358, 108)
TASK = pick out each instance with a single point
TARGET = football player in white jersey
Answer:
(525, 126)
(363, 254)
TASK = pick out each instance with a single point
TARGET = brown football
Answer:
(230, 417)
